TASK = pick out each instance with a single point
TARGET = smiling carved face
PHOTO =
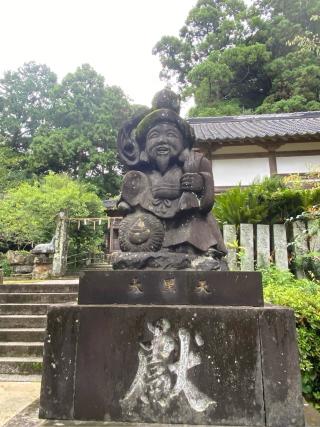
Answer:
(164, 143)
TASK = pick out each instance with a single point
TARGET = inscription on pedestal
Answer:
(162, 372)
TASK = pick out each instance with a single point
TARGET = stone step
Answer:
(21, 349)
(21, 321)
(23, 309)
(51, 298)
(21, 334)
(38, 287)
(21, 365)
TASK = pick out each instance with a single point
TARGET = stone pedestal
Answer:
(42, 268)
(179, 363)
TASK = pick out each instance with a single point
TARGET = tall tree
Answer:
(235, 58)
(81, 137)
(25, 103)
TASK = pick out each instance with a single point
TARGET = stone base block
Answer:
(42, 271)
(173, 287)
(201, 365)
(165, 260)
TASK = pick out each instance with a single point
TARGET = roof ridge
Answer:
(257, 117)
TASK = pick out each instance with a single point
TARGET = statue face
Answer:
(164, 143)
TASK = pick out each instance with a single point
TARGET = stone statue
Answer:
(168, 192)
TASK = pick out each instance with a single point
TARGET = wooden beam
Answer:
(266, 155)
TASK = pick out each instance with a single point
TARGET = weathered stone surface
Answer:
(247, 246)
(230, 238)
(59, 266)
(300, 242)
(283, 399)
(163, 261)
(22, 269)
(57, 388)
(43, 259)
(263, 246)
(229, 359)
(280, 246)
(167, 194)
(314, 233)
(170, 287)
(44, 248)
(18, 258)
(42, 271)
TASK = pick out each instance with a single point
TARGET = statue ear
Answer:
(184, 155)
(143, 156)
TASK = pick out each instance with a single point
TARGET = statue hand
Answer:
(192, 182)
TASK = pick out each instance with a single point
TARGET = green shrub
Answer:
(28, 212)
(5, 266)
(283, 204)
(269, 201)
(240, 205)
(309, 263)
(303, 296)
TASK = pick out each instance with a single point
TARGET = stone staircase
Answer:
(23, 309)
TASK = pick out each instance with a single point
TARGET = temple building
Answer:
(244, 148)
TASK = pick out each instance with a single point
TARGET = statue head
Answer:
(158, 137)
(163, 146)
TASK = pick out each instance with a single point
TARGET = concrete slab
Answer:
(15, 396)
(28, 417)
(69, 281)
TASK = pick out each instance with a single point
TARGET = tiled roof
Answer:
(255, 128)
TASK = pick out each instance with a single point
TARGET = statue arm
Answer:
(207, 196)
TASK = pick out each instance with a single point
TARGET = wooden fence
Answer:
(256, 246)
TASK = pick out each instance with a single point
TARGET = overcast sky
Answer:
(115, 37)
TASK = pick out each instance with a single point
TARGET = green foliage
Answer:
(28, 212)
(68, 127)
(5, 266)
(86, 118)
(240, 205)
(309, 263)
(12, 168)
(262, 57)
(281, 288)
(269, 201)
(25, 103)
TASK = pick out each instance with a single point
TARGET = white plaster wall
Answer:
(232, 171)
(297, 164)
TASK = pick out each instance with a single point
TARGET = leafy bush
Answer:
(28, 212)
(284, 204)
(240, 205)
(281, 288)
(269, 201)
(5, 267)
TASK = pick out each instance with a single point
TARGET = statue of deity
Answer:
(168, 192)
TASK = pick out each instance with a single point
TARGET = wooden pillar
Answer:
(59, 265)
(273, 163)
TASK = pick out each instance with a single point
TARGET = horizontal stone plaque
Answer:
(171, 287)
